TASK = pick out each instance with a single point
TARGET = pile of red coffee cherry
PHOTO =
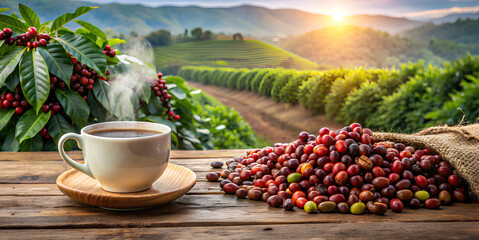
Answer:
(342, 171)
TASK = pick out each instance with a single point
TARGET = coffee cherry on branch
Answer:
(33, 31)
(161, 90)
(111, 53)
(8, 32)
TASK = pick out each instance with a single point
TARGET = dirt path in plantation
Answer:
(277, 122)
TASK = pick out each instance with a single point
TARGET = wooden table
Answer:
(31, 206)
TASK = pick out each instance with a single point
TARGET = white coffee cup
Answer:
(122, 164)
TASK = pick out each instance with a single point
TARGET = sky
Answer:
(400, 8)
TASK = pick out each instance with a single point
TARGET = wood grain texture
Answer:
(198, 210)
(463, 230)
(31, 207)
(174, 183)
(47, 171)
(49, 189)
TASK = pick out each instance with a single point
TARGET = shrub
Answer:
(312, 94)
(290, 92)
(462, 104)
(341, 88)
(240, 80)
(385, 99)
(228, 128)
(267, 82)
(281, 80)
(431, 89)
(233, 78)
(205, 75)
(221, 77)
(364, 101)
(258, 78)
(401, 111)
(249, 79)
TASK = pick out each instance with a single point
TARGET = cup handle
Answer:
(74, 164)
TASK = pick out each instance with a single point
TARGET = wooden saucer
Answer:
(174, 183)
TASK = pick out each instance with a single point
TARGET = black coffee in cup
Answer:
(123, 133)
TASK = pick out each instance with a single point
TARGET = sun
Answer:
(338, 16)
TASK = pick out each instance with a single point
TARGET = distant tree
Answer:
(446, 49)
(133, 34)
(238, 36)
(207, 35)
(197, 33)
(159, 38)
(288, 63)
(186, 33)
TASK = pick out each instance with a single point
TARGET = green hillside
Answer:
(459, 36)
(252, 20)
(352, 46)
(460, 31)
(228, 53)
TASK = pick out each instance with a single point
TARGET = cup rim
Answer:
(86, 128)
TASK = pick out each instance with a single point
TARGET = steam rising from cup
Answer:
(126, 88)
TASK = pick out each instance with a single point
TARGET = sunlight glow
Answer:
(338, 16)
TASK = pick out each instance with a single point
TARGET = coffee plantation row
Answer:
(403, 99)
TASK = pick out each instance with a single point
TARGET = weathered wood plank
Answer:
(47, 171)
(196, 210)
(50, 189)
(175, 154)
(462, 230)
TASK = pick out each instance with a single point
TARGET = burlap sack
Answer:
(459, 145)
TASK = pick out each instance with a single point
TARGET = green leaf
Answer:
(5, 116)
(13, 23)
(52, 146)
(145, 92)
(58, 61)
(34, 144)
(5, 49)
(10, 143)
(64, 30)
(112, 60)
(160, 120)
(101, 91)
(12, 81)
(96, 109)
(74, 105)
(3, 10)
(86, 51)
(84, 32)
(9, 62)
(115, 41)
(34, 79)
(45, 27)
(155, 106)
(30, 124)
(178, 93)
(93, 29)
(58, 126)
(67, 17)
(30, 17)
